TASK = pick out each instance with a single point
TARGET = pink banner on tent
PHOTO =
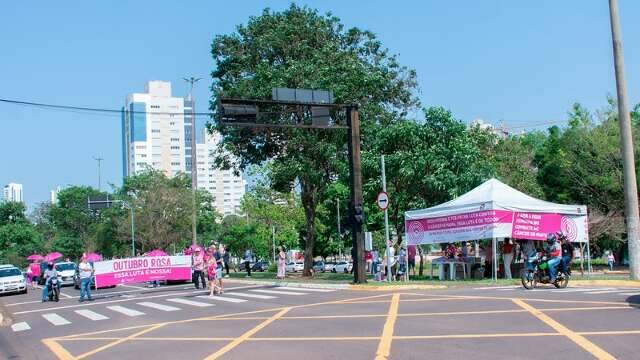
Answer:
(142, 269)
(450, 227)
(536, 226)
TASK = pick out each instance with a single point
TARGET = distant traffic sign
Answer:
(382, 200)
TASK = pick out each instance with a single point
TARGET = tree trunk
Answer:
(309, 202)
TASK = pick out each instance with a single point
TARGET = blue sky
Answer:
(519, 62)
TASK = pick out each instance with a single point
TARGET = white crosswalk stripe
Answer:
(255, 296)
(125, 311)
(603, 292)
(305, 289)
(277, 292)
(190, 302)
(630, 293)
(91, 315)
(220, 298)
(56, 319)
(158, 306)
(21, 326)
(510, 289)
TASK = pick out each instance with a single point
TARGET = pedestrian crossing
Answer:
(166, 304)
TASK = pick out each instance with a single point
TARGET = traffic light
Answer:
(358, 214)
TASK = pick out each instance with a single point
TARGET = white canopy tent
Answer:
(495, 211)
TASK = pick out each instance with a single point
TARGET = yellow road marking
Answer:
(384, 347)
(621, 332)
(358, 338)
(475, 297)
(592, 348)
(58, 350)
(120, 341)
(590, 308)
(471, 336)
(246, 335)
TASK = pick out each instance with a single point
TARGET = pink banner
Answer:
(536, 226)
(142, 269)
(448, 228)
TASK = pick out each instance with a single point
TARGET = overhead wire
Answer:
(117, 112)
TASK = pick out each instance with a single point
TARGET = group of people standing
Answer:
(213, 261)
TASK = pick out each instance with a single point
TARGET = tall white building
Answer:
(54, 195)
(226, 188)
(153, 131)
(13, 192)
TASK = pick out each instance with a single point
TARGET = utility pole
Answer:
(357, 206)
(99, 160)
(273, 239)
(626, 147)
(194, 161)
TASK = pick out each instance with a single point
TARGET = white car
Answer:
(342, 267)
(294, 267)
(66, 270)
(12, 280)
(329, 266)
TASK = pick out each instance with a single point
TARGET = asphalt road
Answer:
(265, 322)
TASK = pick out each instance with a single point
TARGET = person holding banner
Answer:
(198, 269)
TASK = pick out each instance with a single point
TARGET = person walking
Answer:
(86, 272)
(225, 259)
(198, 269)
(248, 256)
(374, 262)
(507, 257)
(402, 264)
(212, 268)
(281, 263)
(411, 250)
(218, 255)
(611, 260)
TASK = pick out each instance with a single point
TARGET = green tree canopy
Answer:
(299, 48)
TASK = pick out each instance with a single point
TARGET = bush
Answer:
(273, 267)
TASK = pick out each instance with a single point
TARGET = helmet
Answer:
(561, 236)
(551, 238)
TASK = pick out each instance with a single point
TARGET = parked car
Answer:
(294, 267)
(329, 266)
(318, 266)
(12, 280)
(342, 267)
(76, 281)
(261, 266)
(66, 271)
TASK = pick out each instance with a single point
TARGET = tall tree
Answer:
(299, 48)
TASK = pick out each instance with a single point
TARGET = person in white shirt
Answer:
(86, 272)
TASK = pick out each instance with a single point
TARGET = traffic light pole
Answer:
(357, 210)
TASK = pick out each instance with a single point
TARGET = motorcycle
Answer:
(538, 272)
(54, 289)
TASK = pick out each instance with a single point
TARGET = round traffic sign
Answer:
(382, 200)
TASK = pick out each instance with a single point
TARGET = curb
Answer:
(628, 283)
(340, 286)
(292, 284)
(395, 287)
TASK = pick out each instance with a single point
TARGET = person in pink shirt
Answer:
(198, 269)
(35, 273)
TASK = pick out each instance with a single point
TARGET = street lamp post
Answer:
(194, 161)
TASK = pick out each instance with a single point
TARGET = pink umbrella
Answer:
(92, 257)
(53, 256)
(35, 257)
(156, 252)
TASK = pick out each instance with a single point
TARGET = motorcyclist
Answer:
(567, 253)
(49, 274)
(554, 253)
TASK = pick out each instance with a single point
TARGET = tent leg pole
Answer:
(495, 260)
(589, 269)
